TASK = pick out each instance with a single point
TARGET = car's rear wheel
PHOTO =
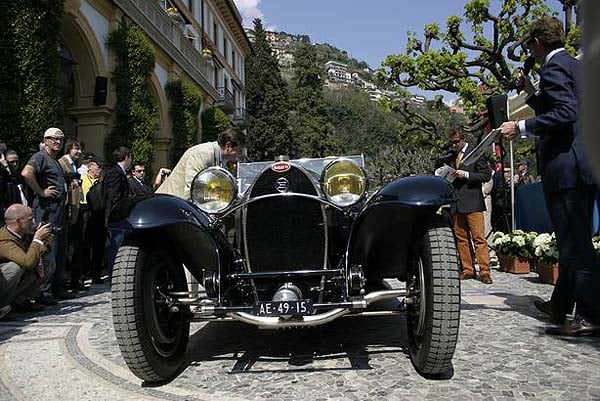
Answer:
(152, 334)
(433, 311)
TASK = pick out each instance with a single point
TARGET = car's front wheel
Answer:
(152, 334)
(434, 301)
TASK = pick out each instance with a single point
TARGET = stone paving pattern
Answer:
(69, 352)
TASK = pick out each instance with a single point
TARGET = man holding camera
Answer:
(45, 177)
(20, 255)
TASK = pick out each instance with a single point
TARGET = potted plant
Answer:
(546, 252)
(514, 250)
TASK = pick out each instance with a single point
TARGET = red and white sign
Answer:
(281, 167)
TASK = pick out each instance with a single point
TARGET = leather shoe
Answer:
(28, 306)
(546, 308)
(575, 328)
(46, 299)
(64, 294)
(486, 280)
(464, 276)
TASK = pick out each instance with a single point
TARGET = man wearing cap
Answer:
(45, 177)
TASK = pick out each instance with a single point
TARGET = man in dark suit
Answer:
(569, 186)
(13, 188)
(116, 188)
(137, 182)
(468, 212)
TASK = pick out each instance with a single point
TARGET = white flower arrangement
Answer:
(517, 243)
(596, 242)
(545, 248)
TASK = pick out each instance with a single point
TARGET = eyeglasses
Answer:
(55, 138)
(139, 171)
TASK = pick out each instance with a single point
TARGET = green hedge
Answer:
(214, 121)
(136, 110)
(30, 72)
(186, 100)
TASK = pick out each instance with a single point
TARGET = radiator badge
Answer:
(282, 185)
(280, 167)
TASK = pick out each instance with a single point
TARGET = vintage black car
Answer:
(286, 244)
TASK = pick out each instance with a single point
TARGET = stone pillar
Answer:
(93, 124)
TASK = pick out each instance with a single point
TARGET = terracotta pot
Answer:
(548, 273)
(514, 265)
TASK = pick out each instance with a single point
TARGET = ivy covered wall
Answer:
(214, 121)
(30, 71)
(136, 110)
(185, 105)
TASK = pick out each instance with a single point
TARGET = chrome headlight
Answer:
(344, 182)
(213, 190)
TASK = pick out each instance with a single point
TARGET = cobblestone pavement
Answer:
(70, 353)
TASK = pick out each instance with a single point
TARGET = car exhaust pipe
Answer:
(270, 322)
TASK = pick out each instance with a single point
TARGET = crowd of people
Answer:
(55, 211)
(54, 236)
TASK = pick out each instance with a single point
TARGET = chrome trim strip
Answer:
(268, 322)
(290, 194)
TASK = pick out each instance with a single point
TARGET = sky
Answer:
(368, 30)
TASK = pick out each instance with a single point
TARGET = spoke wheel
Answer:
(152, 336)
(433, 315)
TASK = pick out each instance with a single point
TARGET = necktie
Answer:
(459, 159)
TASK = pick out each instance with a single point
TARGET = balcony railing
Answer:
(169, 35)
(241, 117)
(225, 100)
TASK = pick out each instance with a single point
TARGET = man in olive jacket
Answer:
(20, 255)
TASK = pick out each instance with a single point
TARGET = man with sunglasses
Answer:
(137, 182)
(569, 186)
(45, 177)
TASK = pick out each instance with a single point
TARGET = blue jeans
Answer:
(115, 239)
(56, 258)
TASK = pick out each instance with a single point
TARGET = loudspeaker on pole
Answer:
(497, 108)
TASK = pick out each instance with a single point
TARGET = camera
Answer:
(54, 230)
(164, 175)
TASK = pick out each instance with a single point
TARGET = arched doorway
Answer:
(82, 61)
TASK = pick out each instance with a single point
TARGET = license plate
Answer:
(302, 307)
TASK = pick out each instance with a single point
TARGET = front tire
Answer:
(152, 336)
(434, 311)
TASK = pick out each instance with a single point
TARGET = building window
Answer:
(225, 46)
(215, 33)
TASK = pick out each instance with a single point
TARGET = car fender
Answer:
(383, 234)
(169, 221)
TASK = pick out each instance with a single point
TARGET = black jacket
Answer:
(116, 187)
(470, 196)
(137, 188)
(9, 189)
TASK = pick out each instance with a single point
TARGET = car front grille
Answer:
(285, 233)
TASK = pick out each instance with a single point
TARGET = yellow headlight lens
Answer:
(344, 182)
(213, 190)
